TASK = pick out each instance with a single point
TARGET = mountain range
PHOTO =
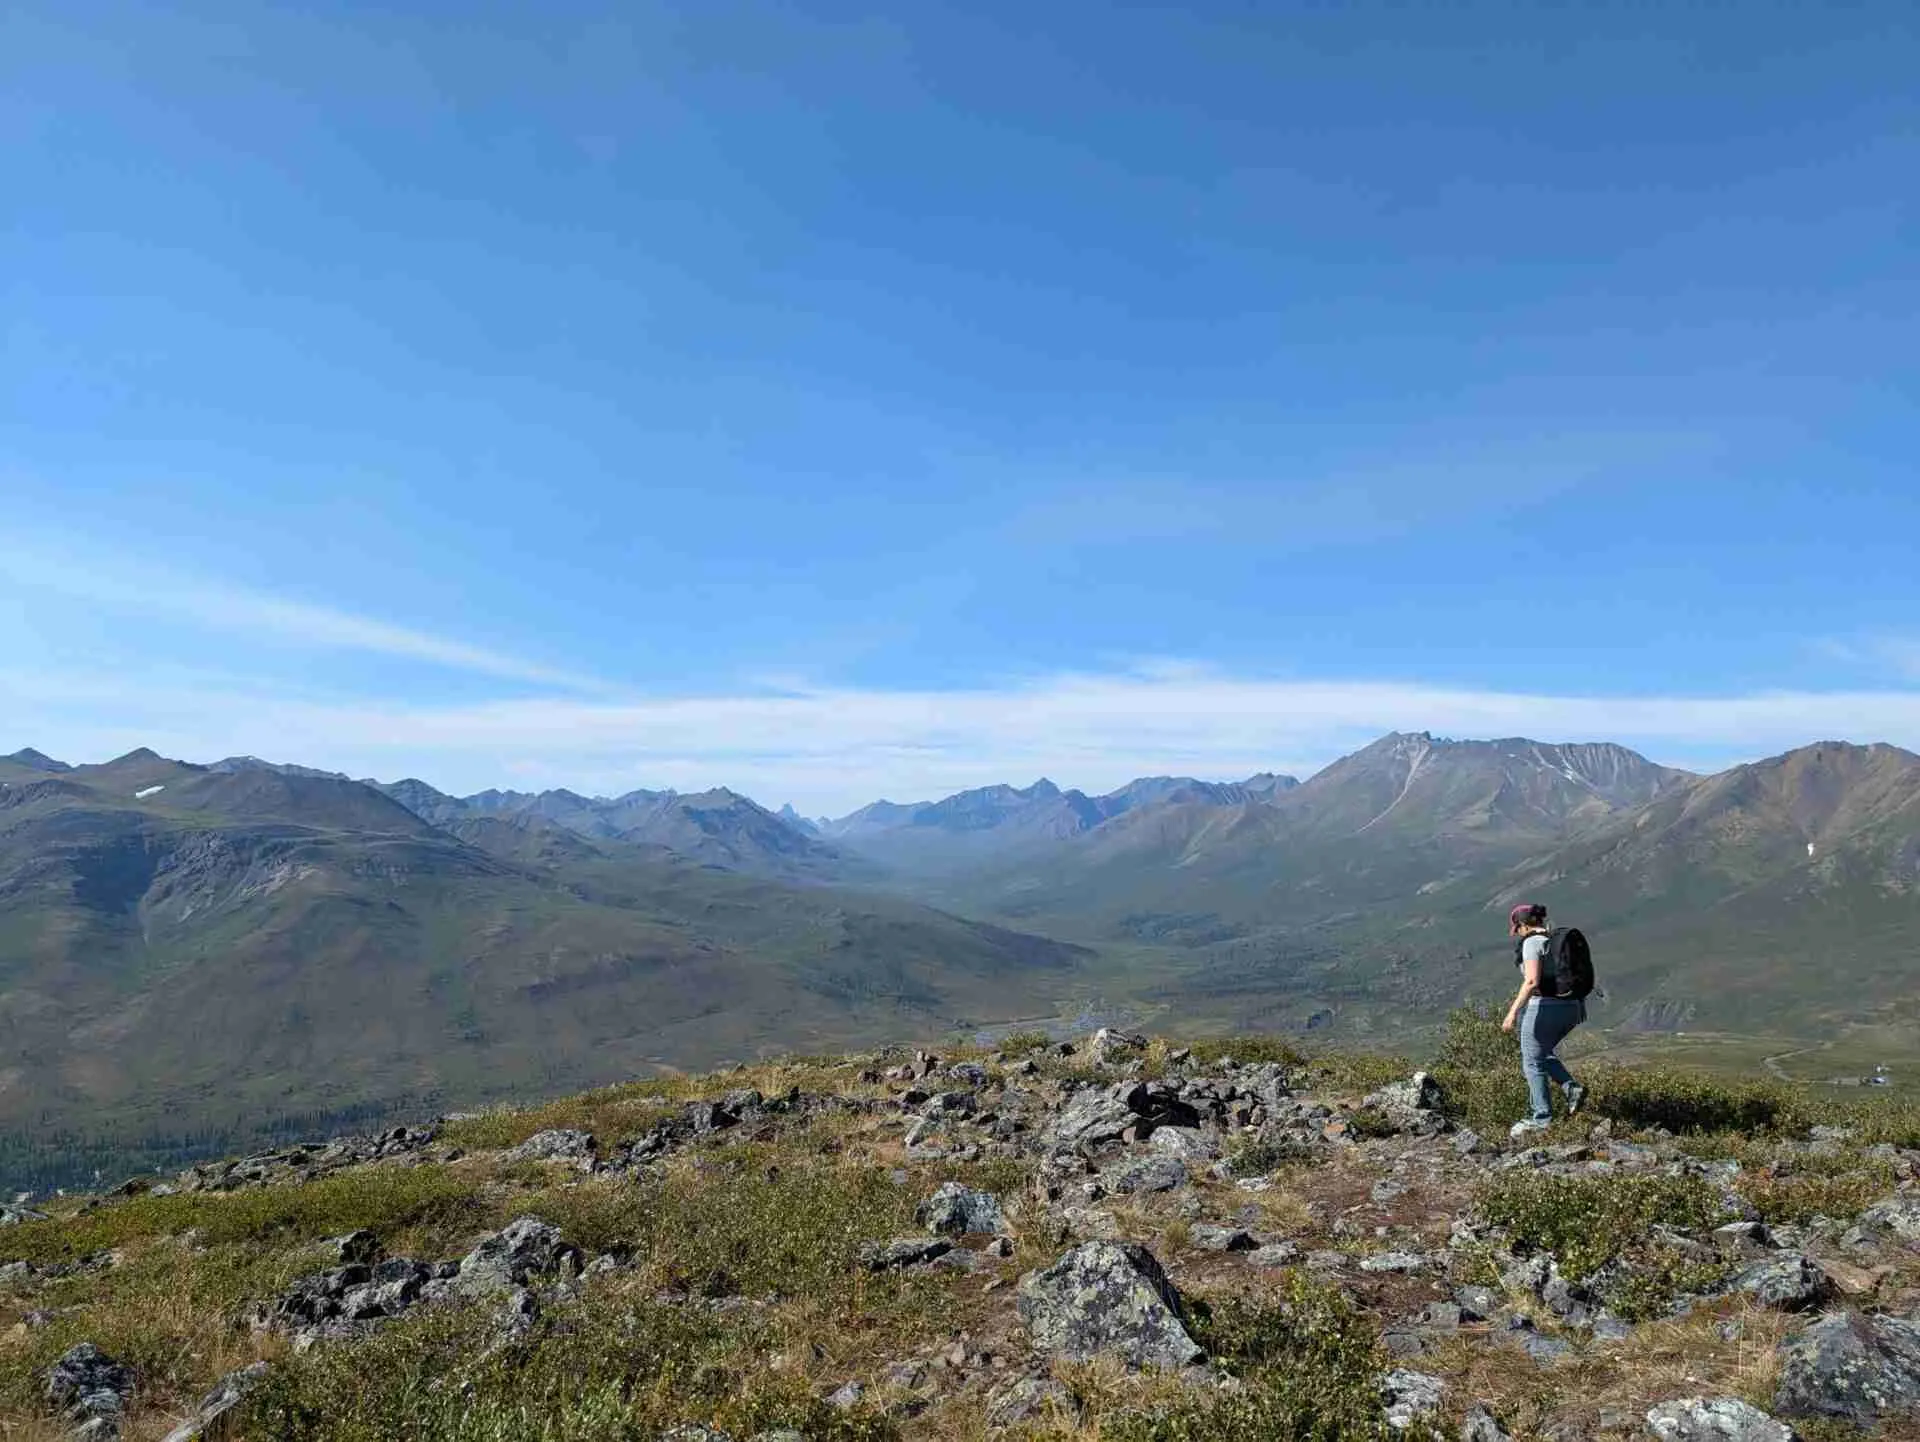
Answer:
(197, 957)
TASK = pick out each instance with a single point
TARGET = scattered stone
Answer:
(1409, 1396)
(1107, 1299)
(1725, 1419)
(1274, 1254)
(903, 1252)
(1110, 1045)
(1789, 1282)
(847, 1397)
(1092, 1118)
(956, 1211)
(218, 1403)
(1851, 1367)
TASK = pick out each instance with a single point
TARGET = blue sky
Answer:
(843, 401)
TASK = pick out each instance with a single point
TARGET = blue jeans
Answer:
(1543, 1026)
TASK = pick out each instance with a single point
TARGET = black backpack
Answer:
(1567, 968)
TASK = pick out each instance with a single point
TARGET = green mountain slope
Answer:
(235, 952)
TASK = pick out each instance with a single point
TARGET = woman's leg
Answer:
(1533, 1058)
(1551, 1027)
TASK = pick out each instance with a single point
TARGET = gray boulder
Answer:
(218, 1403)
(956, 1211)
(1788, 1282)
(526, 1250)
(1107, 1299)
(88, 1387)
(1092, 1118)
(1852, 1367)
(1723, 1419)
(1144, 1174)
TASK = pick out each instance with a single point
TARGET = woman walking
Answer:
(1542, 1019)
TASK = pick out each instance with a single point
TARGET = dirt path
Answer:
(1772, 1063)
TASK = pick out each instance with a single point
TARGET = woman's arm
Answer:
(1529, 984)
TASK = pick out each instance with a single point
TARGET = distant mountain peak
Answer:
(36, 760)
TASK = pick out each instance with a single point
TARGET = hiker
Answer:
(1542, 1017)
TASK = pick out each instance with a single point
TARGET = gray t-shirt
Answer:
(1534, 948)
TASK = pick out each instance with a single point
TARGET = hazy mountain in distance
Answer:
(992, 822)
(720, 827)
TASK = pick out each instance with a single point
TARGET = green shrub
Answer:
(1683, 1101)
(1309, 1366)
(1831, 1187)
(1474, 1043)
(1648, 1288)
(1248, 1049)
(1586, 1222)
(1020, 1042)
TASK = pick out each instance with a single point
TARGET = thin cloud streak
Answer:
(830, 750)
(119, 584)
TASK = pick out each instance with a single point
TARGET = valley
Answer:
(196, 958)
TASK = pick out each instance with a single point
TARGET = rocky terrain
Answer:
(1120, 1238)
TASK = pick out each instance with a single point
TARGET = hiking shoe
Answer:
(1527, 1128)
(1576, 1097)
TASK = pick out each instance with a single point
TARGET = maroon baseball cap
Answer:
(1526, 911)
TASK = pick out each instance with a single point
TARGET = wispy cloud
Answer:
(832, 749)
(136, 587)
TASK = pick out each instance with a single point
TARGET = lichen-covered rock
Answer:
(1852, 1367)
(1028, 1399)
(956, 1210)
(1789, 1282)
(903, 1252)
(1411, 1106)
(561, 1144)
(1723, 1419)
(1480, 1425)
(1894, 1217)
(1107, 1299)
(89, 1387)
(1409, 1397)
